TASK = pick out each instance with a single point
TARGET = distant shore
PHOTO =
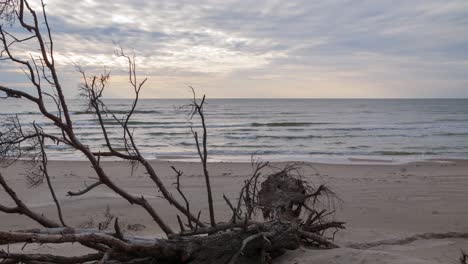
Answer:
(378, 201)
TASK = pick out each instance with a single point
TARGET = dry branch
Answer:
(22, 208)
(159, 248)
(44, 170)
(242, 239)
(47, 258)
(197, 109)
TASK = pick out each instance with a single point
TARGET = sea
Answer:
(322, 130)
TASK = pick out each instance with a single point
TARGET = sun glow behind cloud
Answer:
(268, 48)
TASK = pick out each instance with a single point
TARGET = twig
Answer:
(179, 190)
(235, 214)
(87, 189)
(45, 172)
(181, 225)
(118, 231)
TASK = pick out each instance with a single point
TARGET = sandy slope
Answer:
(378, 201)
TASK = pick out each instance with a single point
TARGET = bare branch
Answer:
(22, 208)
(87, 189)
(282, 229)
(179, 190)
(29, 258)
(93, 88)
(158, 248)
(197, 108)
(45, 172)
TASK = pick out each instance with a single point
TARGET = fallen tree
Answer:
(291, 214)
(239, 240)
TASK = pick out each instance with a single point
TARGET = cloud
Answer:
(272, 48)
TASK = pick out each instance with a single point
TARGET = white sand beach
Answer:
(378, 202)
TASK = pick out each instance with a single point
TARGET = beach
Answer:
(234, 132)
(379, 201)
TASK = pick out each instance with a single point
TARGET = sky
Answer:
(264, 48)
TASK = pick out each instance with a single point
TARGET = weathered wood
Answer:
(282, 197)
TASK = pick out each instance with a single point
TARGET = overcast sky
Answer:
(267, 48)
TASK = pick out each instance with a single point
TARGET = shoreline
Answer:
(330, 161)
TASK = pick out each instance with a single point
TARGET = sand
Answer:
(378, 200)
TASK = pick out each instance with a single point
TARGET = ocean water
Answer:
(276, 129)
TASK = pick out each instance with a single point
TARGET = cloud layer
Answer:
(269, 48)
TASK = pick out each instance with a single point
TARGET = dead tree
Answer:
(244, 238)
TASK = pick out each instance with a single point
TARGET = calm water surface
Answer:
(278, 129)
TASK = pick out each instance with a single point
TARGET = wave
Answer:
(451, 134)
(92, 133)
(290, 137)
(290, 113)
(359, 147)
(135, 122)
(139, 124)
(233, 145)
(245, 136)
(402, 153)
(166, 133)
(101, 138)
(21, 113)
(324, 153)
(58, 147)
(366, 128)
(415, 122)
(288, 124)
(119, 112)
(451, 120)
(330, 136)
(185, 143)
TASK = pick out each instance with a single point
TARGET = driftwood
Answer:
(232, 242)
(291, 216)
